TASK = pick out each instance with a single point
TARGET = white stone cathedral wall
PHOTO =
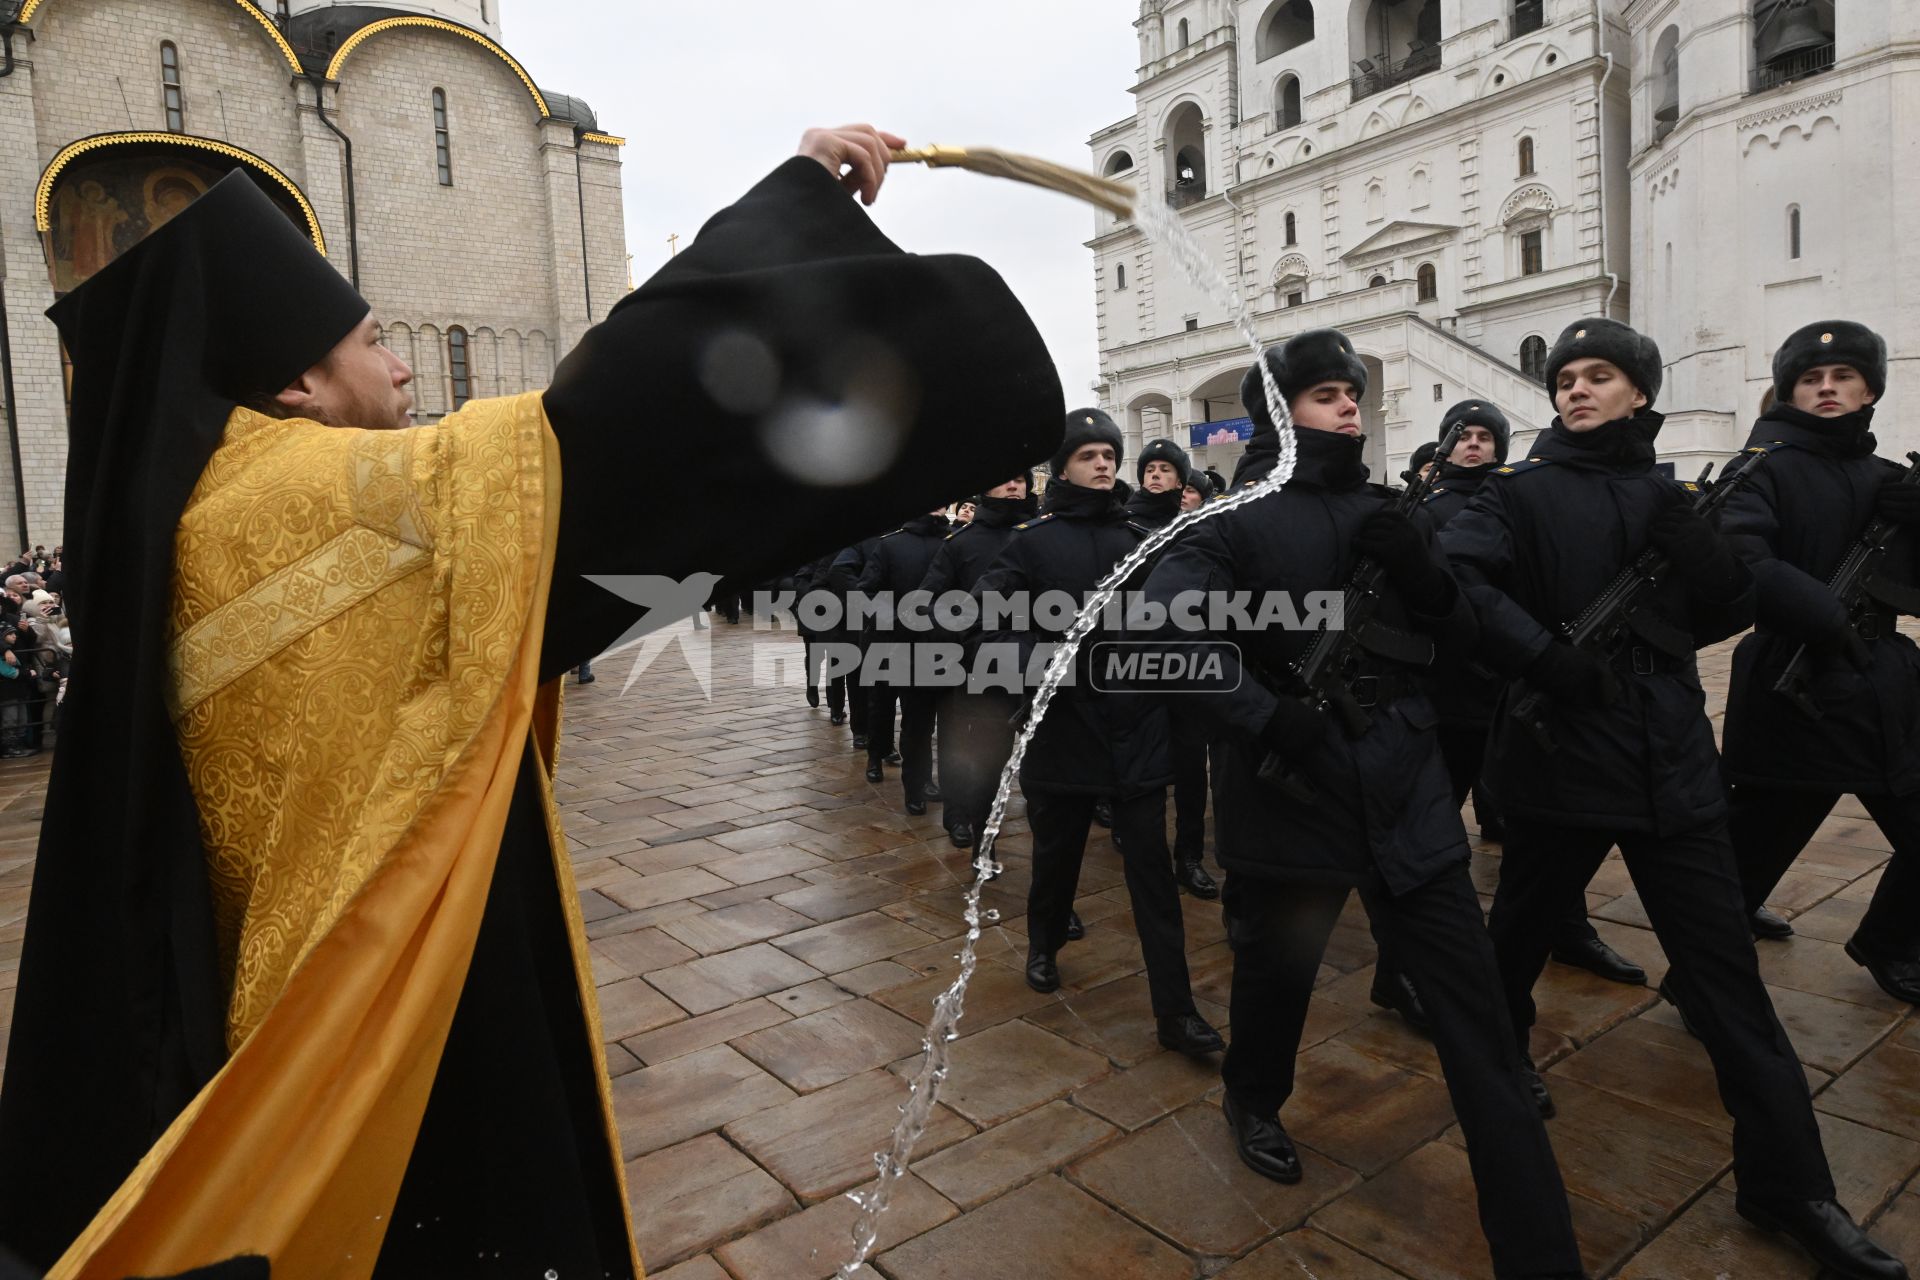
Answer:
(475, 253)
(97, 69)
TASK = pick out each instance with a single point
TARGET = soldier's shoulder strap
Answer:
(1034, 523)
(1433, 493)
(1521, 467)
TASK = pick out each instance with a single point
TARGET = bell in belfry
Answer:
(1667, 108)
(1785, 28)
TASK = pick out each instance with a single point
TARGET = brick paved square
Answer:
(769, 932)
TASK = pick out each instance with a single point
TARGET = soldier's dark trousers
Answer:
(815, 661)
(1060, 823)
(1278, 931)
(1771, 827)
(1691, 892)
(916, 733)
(1465, 751)
(858, 697)
(976, 737)
(1189, 748)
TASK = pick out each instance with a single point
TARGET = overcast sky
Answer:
(712, 96)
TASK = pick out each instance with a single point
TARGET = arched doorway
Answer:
(100, 196)
(1215, 400)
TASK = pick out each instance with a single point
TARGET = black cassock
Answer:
(790, 309)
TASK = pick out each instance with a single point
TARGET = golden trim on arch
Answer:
(611, 139)
(43, 194)
(372, 29)
(253, 10)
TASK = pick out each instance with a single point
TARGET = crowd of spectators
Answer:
(36, 651)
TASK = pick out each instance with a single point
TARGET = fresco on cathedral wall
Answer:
(109, 200)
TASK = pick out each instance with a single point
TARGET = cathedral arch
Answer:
(99, 196)
(373, 29)
(265, 23)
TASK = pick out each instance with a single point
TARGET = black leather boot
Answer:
(1188, 1033)
(1043, 975)
(1829, 1235)
(1396, 991)
(1599, 959)
(1262, 1143)
(1191, 876)
(1769, 925)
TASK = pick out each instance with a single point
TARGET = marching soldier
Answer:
(1794, 523)
(1092, 744)
(1198, 490)
(843, 577)
(1633, 762)
(976, 727)
(1369, 811)
(898, 563)
(1464, 693)
(1163, 472)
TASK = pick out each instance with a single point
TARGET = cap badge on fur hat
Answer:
(1826, 337)
(1581, 334)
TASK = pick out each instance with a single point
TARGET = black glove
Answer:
(1390, 539)
(1293, 730)
(1843, 644)
(1898, 502)
(1573, 677)
(1699, 554)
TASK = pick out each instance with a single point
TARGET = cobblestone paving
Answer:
(769, 930)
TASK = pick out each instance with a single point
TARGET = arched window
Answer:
(1793, 231)
(442, 148)
(1533, 357)
(458, 370)
(1119, 275)
(1185, 38)
(1118, 162)
(1666, 83)
(170, 97)
(1378, 282)
(1293, 229)
(1187, 146)
(1288, 26)
(1429, 282)
(1286, 102)
(1526, 157)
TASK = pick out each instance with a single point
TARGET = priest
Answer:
(304, 982)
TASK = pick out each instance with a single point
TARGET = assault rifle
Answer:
(1613, 619)
(1328, 676)
(1855, 582)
